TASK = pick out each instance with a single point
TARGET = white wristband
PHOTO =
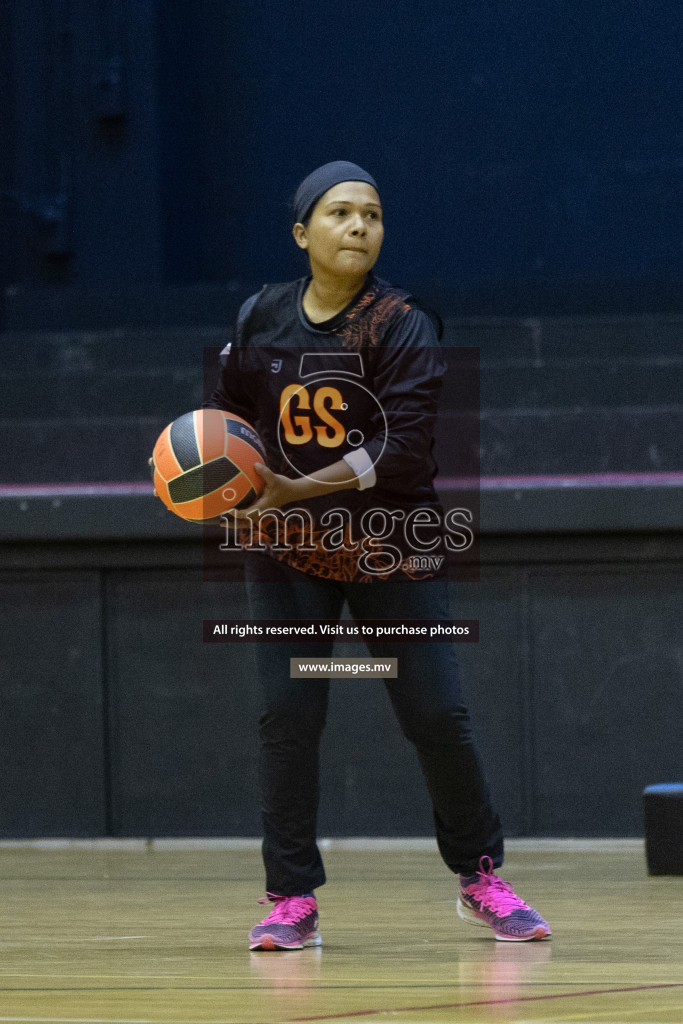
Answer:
(363, 466)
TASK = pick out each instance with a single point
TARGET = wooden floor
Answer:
(155, 934)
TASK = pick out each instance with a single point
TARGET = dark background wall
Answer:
(118, 720)
(530, 158)
(529, 154)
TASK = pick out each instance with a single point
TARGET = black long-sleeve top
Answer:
(363, 386)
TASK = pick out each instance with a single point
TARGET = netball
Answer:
(203, 465)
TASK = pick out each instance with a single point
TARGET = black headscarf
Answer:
(321, 181)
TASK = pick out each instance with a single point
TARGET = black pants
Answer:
(426, 699)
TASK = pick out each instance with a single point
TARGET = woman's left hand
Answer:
(279, 491)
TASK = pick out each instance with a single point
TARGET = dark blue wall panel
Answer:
(53, 742)
(518, 147)
(183, 718)
(199, 779)
(607, 673)
(83, 187)
(574, 690)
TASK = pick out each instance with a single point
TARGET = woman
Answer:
(340, 374)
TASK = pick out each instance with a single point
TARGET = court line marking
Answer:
(482, 1002)
(290, 988)
(65, 939)
(380, 843)
(117, 1020)
(231, 1020)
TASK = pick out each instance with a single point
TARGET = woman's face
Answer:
(344, 235)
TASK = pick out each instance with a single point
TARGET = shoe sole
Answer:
(269, 942)
(468, 915)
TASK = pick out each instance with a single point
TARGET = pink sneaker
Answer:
(487, 900)
(291, 924)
